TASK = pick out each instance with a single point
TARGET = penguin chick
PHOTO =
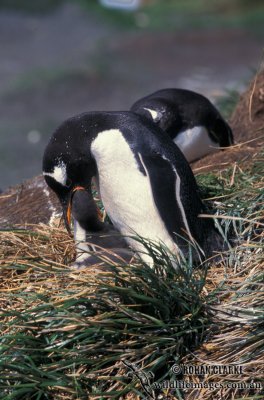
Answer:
(145, 183)
(189, 118)
(96, 241)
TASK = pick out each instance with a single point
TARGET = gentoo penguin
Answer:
(145, 183)
(189, 118)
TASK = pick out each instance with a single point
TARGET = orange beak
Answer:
(100, 214)
(69, 208)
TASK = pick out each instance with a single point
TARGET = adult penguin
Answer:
(145, 183)
(189, 118)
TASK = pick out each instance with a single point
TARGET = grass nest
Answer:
(118, 332)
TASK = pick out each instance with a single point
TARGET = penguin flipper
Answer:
(167, 195)
(176, 197)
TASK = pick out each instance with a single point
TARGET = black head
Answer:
(221, 132)
(160, 111)
(68, 168)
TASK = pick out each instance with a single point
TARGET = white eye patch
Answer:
(59, 173)
(153, 113)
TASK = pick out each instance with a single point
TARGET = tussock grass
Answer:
(68, 334)
(68, 331)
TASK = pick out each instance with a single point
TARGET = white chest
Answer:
(195, 143)
(126, 193)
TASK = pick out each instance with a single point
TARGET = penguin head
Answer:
(221, 132)
(157, 110)
(68, 169)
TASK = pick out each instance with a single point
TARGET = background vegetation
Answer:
(169, 14)
(61, 58)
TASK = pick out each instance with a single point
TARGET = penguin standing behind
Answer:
(145, 183)
(189, 118)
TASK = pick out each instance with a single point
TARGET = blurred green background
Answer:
(60, 58)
